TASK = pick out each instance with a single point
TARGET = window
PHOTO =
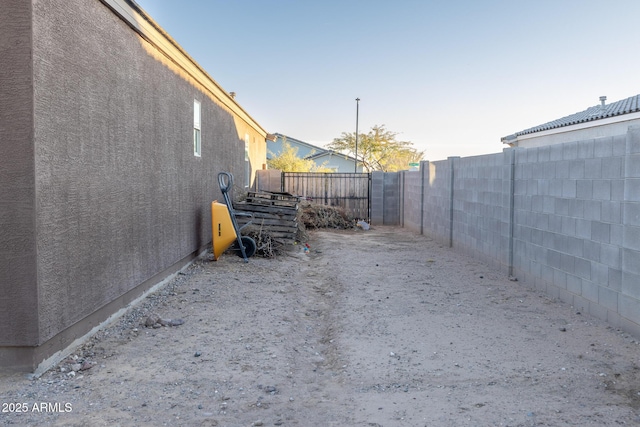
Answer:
(197, 138)
(247, 164)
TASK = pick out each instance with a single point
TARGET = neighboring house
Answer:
(600, 121)
(337, 162)
(111, 139)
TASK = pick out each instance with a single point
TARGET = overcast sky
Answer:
(450, 76)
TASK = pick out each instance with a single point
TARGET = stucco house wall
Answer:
(17, 177)
(102, 195)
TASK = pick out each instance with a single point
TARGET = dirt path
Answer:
(375, 328)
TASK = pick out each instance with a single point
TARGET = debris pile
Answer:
(267, 246)
(281, 219)
(321, 216)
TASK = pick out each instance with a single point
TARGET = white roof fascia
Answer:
(579, 126)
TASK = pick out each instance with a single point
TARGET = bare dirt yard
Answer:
(368, 328)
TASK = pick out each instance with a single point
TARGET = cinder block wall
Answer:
(412, 197)
(481, 208)
(576, 222)
(377, 198)
(563, 218)
(386, 196)
(437, 206)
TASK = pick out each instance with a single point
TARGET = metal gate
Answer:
(350, 191)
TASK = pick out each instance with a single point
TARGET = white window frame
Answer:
(247, 163)
(197, 131)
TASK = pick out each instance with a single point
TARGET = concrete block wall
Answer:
(628, 297)
(377, 198)
(411, 200)
(569, 227)
(563, 218)
(385, 198)
(481, 208)
(437, 199)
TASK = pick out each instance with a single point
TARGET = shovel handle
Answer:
(225, 180)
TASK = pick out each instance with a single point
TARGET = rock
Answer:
(152, 320)
(363, 224)
(86, 365)
(155, 321)
(76, 367)
(171, 322)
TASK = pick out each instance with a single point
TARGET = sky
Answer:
(450, 76)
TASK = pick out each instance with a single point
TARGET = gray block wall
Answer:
(563, 218)
(570, 227)
(628, 297)
(385, 196)
(481, 206)
(377, 198)
(437, 201)
(412, 197)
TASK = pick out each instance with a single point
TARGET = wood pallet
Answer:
(284, 200)
(275, 213)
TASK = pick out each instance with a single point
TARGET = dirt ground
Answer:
(368, 328)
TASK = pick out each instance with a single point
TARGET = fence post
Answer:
(510, 159)
(424, 168)
(453, 161)
(401, 186)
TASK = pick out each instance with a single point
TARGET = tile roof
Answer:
(625, 106)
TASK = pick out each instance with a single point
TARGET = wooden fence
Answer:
(351, 191)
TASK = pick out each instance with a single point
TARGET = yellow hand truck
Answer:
(224, 226)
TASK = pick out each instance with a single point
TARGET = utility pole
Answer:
(357, 112)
